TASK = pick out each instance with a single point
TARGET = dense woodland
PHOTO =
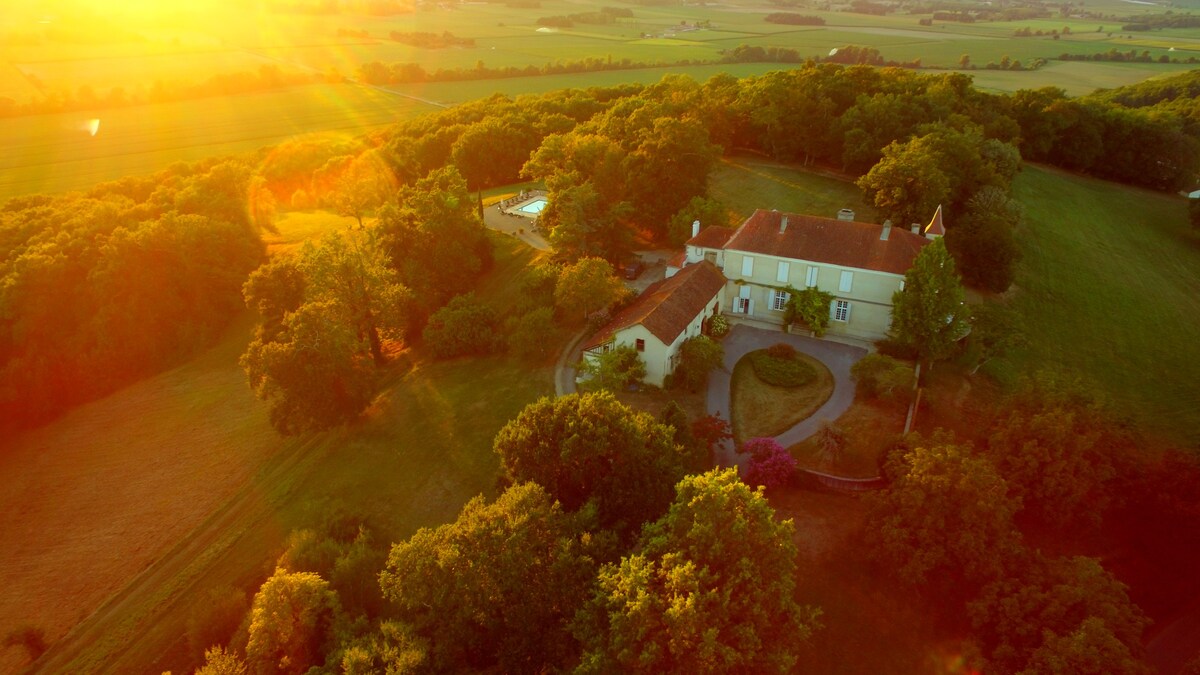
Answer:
(623, 561)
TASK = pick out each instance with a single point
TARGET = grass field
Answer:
(747, 183)
(188, 456)
(52, 153)
(1108, 289)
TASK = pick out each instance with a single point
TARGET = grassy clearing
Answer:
(1074, 77)
(296, 227)
(52, 153)
(748, 183)
(760, 409)
(1108, 290)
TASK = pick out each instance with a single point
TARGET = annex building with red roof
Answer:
(861, 264)
(665, 315)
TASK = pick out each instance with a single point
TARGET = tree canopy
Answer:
(929, 315)
(591, 448)
(692, 598)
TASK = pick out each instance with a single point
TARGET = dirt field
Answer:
(93, 499)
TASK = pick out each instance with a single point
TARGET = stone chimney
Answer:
(695, 227)
(845, 214)
(782, 224)
(887, 230)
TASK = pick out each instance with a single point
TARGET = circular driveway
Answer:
(743, 339)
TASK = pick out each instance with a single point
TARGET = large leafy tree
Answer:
(909, 183)
(710, 590)
(929, 315)
(435, 241)
(495, 588)
(587, 286)
(591, 448)
(290, 623)
(312, 362)
(946, 521)
(1066, 615)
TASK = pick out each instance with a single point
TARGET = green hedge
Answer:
(781, 372)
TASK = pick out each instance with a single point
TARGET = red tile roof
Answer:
(668, 306)
(677, 260)
(713, 236)
(837, 242)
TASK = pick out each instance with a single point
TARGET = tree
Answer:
(435, 241)
(1054, 461)
(698, 356)
(706, 210)
(364, 185)
(984, 244)
(314, 375)
(350, 273)
(1194, 212)
(1069, 612)
(771, 465)
(463, 327)
(929, 315)
(290, 620)
(495, 588)
(220, 661)
(832, 441)
(613, 370)
(581, 223)
(311, 364)
(527, 336)
(941, 487)
(587, 286)
(694, 599)
(592, 448)
(711, 431)
(909, 183)
(884, 377)
(394, 649)
(810, 307)
(698, 459)
(667, 169)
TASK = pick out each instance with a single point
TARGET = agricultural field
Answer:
(55, 153)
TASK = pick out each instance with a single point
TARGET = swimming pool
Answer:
(534, 207)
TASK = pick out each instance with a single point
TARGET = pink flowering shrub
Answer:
(771, 465)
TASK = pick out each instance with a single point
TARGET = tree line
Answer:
(99, 288)
(268, 77)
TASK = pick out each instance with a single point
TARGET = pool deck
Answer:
(517, 206)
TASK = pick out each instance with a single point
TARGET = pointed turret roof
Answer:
(935, 228)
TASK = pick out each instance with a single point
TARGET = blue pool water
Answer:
(535, 207)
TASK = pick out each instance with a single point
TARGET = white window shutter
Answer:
(833, 310)
(811, 280)
(782, 274)
(747, 266)
(846, 282)
(848, 306)
(750, 307)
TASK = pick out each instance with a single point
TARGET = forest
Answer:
(623, 559)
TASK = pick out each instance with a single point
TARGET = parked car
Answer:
(633, 269)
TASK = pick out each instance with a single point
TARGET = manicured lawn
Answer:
(760, 409)
(1108, 290)
(746, 183)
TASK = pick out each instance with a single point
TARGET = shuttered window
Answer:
(747, 266)
(811, 279)
(781, 275)
(846, 282)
